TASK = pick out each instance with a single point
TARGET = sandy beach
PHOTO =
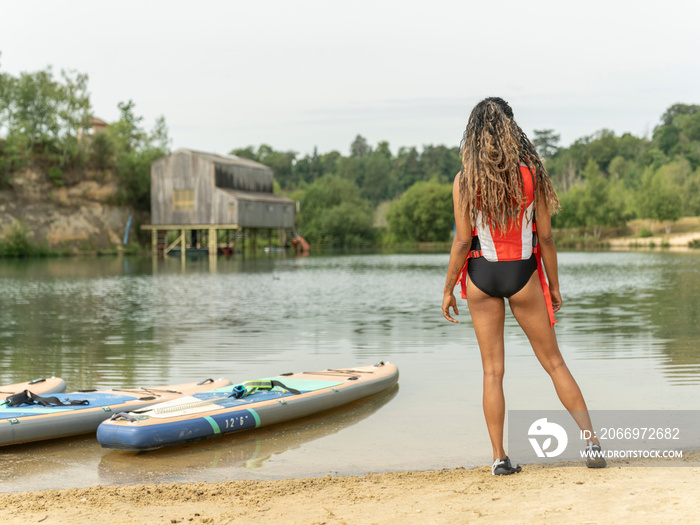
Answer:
(539, 494)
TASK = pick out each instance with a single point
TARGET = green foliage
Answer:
(102, 151)
(55, 174)
(594, 204)
(675, 110)
(660, 196)
(360, 147)
(17, 243)
(282, 163)
(691, 193)
(656, 179)
(546, 142)
(133, 151)
(423, 214)
(41, 116)
(333, 214)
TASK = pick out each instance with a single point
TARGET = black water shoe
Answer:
(503, 467)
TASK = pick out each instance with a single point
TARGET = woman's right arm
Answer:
(548, 250)
(461, 244)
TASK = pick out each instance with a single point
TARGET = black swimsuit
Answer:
(499, 278)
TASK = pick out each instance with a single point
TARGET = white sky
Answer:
(296, 74)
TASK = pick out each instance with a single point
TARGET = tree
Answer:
(660, 197)
(359, 147)
(546, 142)
(678, 109)
(407, 170)
(282, 163)
(127, 133)
(135, 150)
(377, 185)
(691, 205)
(594, 204)
(40, 116)
(333, 214)
(247, 152)
(440, 163)
(423, 213)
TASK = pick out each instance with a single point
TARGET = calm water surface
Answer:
(629, 329)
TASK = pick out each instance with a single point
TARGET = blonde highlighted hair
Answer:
(493, 146)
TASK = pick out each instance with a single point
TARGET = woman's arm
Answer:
(461, 244)
(548, 250)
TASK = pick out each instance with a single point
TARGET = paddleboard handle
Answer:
(123, 416)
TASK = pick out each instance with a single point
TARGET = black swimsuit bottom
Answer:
(501, 278)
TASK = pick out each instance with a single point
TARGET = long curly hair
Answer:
(492, 148)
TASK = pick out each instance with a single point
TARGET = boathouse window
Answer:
(183, 200)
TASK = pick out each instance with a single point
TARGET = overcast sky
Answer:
(296, 74)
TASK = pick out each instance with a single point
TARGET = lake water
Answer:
(629, 330)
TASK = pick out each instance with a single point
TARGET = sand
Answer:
(539, 494)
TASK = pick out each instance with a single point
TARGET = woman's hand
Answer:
(448, 301)
(556, 298)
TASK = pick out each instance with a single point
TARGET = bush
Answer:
(55, 174)
(423, 214)
(16, 243)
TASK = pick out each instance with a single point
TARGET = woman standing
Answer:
(502, 192)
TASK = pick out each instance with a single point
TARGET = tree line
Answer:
(606, 180)
(603, 179)
(339, 194)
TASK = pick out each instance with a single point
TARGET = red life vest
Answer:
(519, 242)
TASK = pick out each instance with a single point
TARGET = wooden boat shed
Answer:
(206, 195)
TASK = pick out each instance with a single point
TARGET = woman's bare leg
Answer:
(530, 310)
(488, 317)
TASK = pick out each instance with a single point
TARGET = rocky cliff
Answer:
(80, 216)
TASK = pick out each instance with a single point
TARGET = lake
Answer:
(629, 330)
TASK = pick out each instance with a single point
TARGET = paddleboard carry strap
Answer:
(250, 387)
(29, 398)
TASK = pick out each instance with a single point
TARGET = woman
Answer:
(502, 192)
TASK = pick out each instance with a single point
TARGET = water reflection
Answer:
(638, 305)
(35, 466)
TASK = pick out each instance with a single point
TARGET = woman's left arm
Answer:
(461, 244)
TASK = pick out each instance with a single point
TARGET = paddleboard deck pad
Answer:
(40, 386)
(218, 412)
(36, 422)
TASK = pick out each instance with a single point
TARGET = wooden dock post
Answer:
(213, 241)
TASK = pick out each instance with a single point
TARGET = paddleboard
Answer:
(40, 386)
(32, 422)
(215, 413)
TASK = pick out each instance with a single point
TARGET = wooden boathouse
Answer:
(214, 200)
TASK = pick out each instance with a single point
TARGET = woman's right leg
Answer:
(488, 318)
(530, 310)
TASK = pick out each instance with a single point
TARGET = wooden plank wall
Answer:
(184, 192)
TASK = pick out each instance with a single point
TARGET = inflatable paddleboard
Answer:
(51, 385)
(36, 422)
(244, 406)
